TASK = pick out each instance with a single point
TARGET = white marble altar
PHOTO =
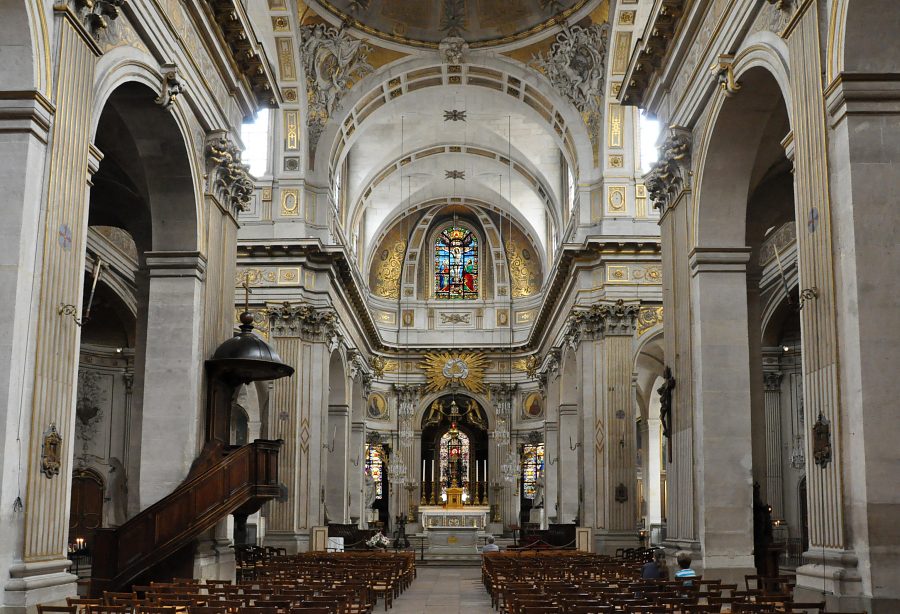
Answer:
(437, 516)
(453, 540)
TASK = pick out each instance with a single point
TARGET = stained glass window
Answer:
(532, 467)
(375, 466)
(454, 459)
(456, 264)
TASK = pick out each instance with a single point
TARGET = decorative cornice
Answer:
(229, 179)
(304, 321)
(671, 174)
(647, 58)
(601, 320)
(247, 55)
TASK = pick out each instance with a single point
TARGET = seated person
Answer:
(684, 563)
(490, 546)
(657, 568)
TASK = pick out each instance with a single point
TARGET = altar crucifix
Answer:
(246, 286)
(665, 407)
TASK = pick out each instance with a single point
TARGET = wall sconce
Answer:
(553, 461)
(572, 446)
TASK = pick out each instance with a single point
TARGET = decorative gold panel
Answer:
(386, 317)
(281, 23)
(289, 276)
(290, 202)
(640, 200)
(266, 194)
(616, 273)
(615, 200)
(524, 317)
(502, 317)
(387, 263)
(524, 267)
(291, 130)
(616, 125)
(648, 317)
(285, 49)
(620, 53)
(626, 18)
(409, 318)
(616, 161)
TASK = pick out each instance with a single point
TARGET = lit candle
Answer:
(432, 470)
(423, 469)
(476, 471)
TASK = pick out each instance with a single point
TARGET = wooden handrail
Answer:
(242, 480)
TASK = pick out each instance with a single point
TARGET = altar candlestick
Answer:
(476, 471)
(423, 469)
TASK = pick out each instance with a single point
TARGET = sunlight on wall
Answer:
(649, 134)
(255, 135)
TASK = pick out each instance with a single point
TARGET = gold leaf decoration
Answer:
(445, 369)
(648, 317)
(524, 266)
(387, 264)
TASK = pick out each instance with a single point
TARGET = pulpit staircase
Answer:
(155, 543)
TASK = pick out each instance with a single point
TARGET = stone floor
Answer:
(443, 590)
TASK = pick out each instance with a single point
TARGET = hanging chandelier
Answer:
(509, 468)
(501, 432)
(406, 432)
(397, 470)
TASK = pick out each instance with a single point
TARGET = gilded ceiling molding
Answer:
(671, 174)
(228, 178)
(333, 61)
(304, 321)
(575, 65)
(648, 317)
(447, 369)
(647, 58)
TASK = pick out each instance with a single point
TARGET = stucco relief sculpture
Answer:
(304, 321)
(51, 452)
(229, 178)
(446, 369)
(172, 87)
(671, 173)
(576, 67)
(333, 61)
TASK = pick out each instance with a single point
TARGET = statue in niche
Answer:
(117, 491)
(371, 490)
(665, 407)
(539, 484)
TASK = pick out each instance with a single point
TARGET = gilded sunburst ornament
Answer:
(445, 369)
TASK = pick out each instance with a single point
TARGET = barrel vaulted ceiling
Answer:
(406, 102)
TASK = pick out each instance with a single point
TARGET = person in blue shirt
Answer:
(684, 564)
(490, 546)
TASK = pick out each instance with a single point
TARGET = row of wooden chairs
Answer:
(565, 582)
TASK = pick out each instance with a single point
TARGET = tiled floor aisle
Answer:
(443, 590)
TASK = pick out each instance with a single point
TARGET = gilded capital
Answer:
(671, 174)
(228, 178)
(303, 321)
(601, 320)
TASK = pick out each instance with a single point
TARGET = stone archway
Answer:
(744, 149)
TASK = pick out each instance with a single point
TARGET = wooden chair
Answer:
(57, 609)
(805, 607)
(81, 604)
(110, 597)
(108, 609)
(196, 609)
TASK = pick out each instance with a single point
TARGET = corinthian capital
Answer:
(229, 178)
(601, 319)
(670, 175)
(303, 321)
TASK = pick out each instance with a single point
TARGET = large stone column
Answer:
(337, 484)
(172, 372)
(302, 335)
(774, 446)
(722, 412)
(356, 470)
(44, 406)
(569, 487)
(864, 160)
(605, 334)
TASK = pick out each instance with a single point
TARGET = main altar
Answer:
(441, 517)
